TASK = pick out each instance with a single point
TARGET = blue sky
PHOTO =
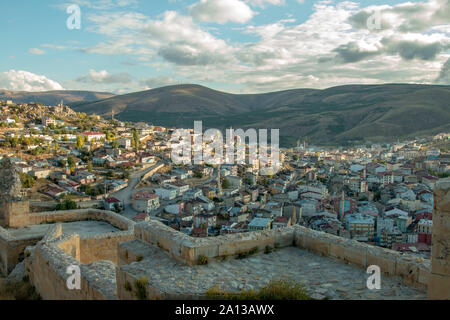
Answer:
(232, 45)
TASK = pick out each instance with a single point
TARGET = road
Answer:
(124, 195)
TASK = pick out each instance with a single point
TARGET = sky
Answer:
(239, 46)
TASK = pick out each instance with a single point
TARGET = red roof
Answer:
(112, 200)
(93, 133)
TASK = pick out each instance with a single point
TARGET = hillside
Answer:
(338, 115)
(53, 97)
(352, 113)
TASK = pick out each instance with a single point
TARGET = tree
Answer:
(71, 163)
(89, 166)
(225, 183)
(66, 205)
(135, 139)
(80, 142)
(27, 180)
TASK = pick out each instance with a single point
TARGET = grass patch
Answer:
(202, 260)
(275, 290)
(268, 249)
(22, 290)
(127, 287)
(246, 254)
(140, 286)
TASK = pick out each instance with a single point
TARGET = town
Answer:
(380, 194)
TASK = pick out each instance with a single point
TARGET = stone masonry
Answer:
(439, 283)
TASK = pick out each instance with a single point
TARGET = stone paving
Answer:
(323, 277)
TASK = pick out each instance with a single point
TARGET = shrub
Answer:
(139, 257)
(268, 249)
(245, 254)
(275, 290)
(140, 286)
(22, 290)
(202, 260)
(127, 286)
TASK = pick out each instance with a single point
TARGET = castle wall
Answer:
(15, 213)
(413, 270)
(47, 268)
(103, 247)
(187, 249)
(439, 282)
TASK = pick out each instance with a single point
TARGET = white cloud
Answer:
(36, 51)
(262, 3)
(221, 11)
(104, 76)
(332, 47)
(27, 81)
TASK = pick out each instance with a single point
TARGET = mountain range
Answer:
(339, 115)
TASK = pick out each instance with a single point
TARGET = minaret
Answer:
(342, 206)
(112, 115)
(219, 183)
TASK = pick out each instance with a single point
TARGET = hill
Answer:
(338, 115)
(53, 97)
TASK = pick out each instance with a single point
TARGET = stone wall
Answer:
(101, 247)
(12, 250)
(439, 285)
(15, 213)
(413, 270)
(47, 263)
(187, 249)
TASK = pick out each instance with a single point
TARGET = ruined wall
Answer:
(47, 264)
(187, 249)
(15, 213)
(12, 250)
(103, 247)
(439, 284)
(413, 270)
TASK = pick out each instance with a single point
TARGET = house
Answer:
(144, 201)
(258, 224)
(124, 143)
(143, 216)
(429, 181)
(281, 222)
(424, 226)
(112, 203)
(46, 121)
(179, 186)
(208, 220)
(40, 173)
(93, 136)
(166, 193)
(55, 191)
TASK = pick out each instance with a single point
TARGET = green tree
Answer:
(135, 139)
(80, 142)
(225, 183)
(89, 166)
